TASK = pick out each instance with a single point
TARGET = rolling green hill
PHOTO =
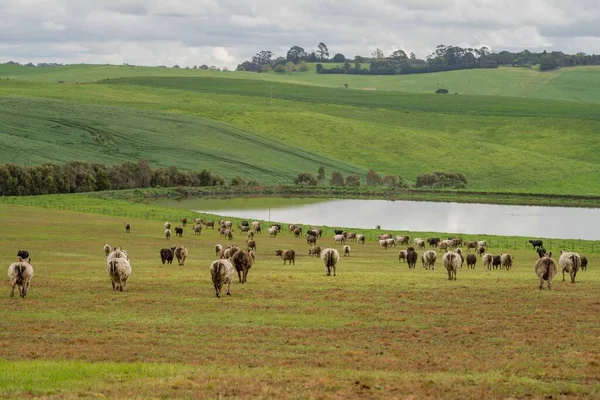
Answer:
(59, 131)
(500, 143)
(579, 83)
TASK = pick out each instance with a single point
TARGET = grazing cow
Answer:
(243, 228)
(360, 238)
(313, 232)
(292, 227)
(402, 255)
(184, 221)
(488, 260)
(433, 242)
(229, 234)
(107, 249)
(346, 250)
(428, 259)
(251, 235)
(167, 254)
(198, 230)
(482, 243)
(471, 245)
(167, 225)
(402, 239)
(339, 238)
(311, 240)
(229, 251)
(451, 261)
(420, 243)
(245, 223)
(480, 250)
(383, 244)
(242, 261)
(273, 231)
(23, 255)
(496, 262)
(167, 234)
(443, 245)
(287, 255)
(471, 261)
(297, 232)
(127, 227)
(119, 271)
(536, 243)
(218, 250)
(178, 231)
(315, 250)
(383, 236)
(228, 224)
(20, 274)
(256, 227)
(251, 245)
(209, 223)
(506, 261)
(569, 262)
(330, 258)
(351, 236)
(411, 258)
(545, 268)
(338, 231)
(221, 272)
(278, 226)
(584, 262)
(181, 253)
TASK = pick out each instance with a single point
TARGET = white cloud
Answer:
(226, 32)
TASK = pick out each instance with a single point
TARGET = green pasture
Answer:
(500, 144)
(375, 330)
(576, 83)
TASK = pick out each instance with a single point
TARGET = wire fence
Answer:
(551, 245)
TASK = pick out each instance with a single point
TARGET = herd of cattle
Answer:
(232, 258)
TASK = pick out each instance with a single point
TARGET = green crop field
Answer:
(376, 330)
(578, 83)
(499, 143)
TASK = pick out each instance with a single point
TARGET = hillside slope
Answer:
(577, 83)
(34, 131)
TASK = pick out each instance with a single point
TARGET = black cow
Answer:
(542, 252)
(245, 223)
(167, 255)
(23, 255)
(338, 231)
(584, 262)
(183, 221)
(433, 242)
(496, 263)
(536, 243)
(411, 258)
(178, 231)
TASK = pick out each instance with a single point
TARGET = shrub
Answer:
(442, 91)
(280, 69)
(303, 67)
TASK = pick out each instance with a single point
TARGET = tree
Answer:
(305, 178)
(373, 178)
(353, 180)
(303, 67)
(321, 174)
(548, 63)
(290, 67)
(238, 181)
(295, 54)
(322, 52)
(377, 54)
(336, 179)
(280, 69)
(263, 57)
(399, 55)
(265, 68)
(338, 58)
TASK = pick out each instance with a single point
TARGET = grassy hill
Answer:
(579, 84)
(499, 143)
(59, 131)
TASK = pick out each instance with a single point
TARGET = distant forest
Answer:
(444, 58)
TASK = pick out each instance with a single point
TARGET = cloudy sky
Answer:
(227, 32)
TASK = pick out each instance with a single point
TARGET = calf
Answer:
(167, 254)
(471, 261)
(20, 274)
(545, 268)
(178, 231)
(315, 250)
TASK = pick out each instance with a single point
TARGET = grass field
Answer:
(579, 83)
(538, 146)
(376, 330)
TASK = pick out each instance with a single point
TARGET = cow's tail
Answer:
(218, 271)
(113, 267)
(546, 274)
(576, 261)
(20, 272)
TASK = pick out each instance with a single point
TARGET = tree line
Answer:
(436, 180)
(79, 176)
(444, 58)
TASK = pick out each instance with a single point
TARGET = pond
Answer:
(461, 218)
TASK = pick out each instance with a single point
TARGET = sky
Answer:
(225, 33)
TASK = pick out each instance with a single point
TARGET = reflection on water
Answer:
(533, 221)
